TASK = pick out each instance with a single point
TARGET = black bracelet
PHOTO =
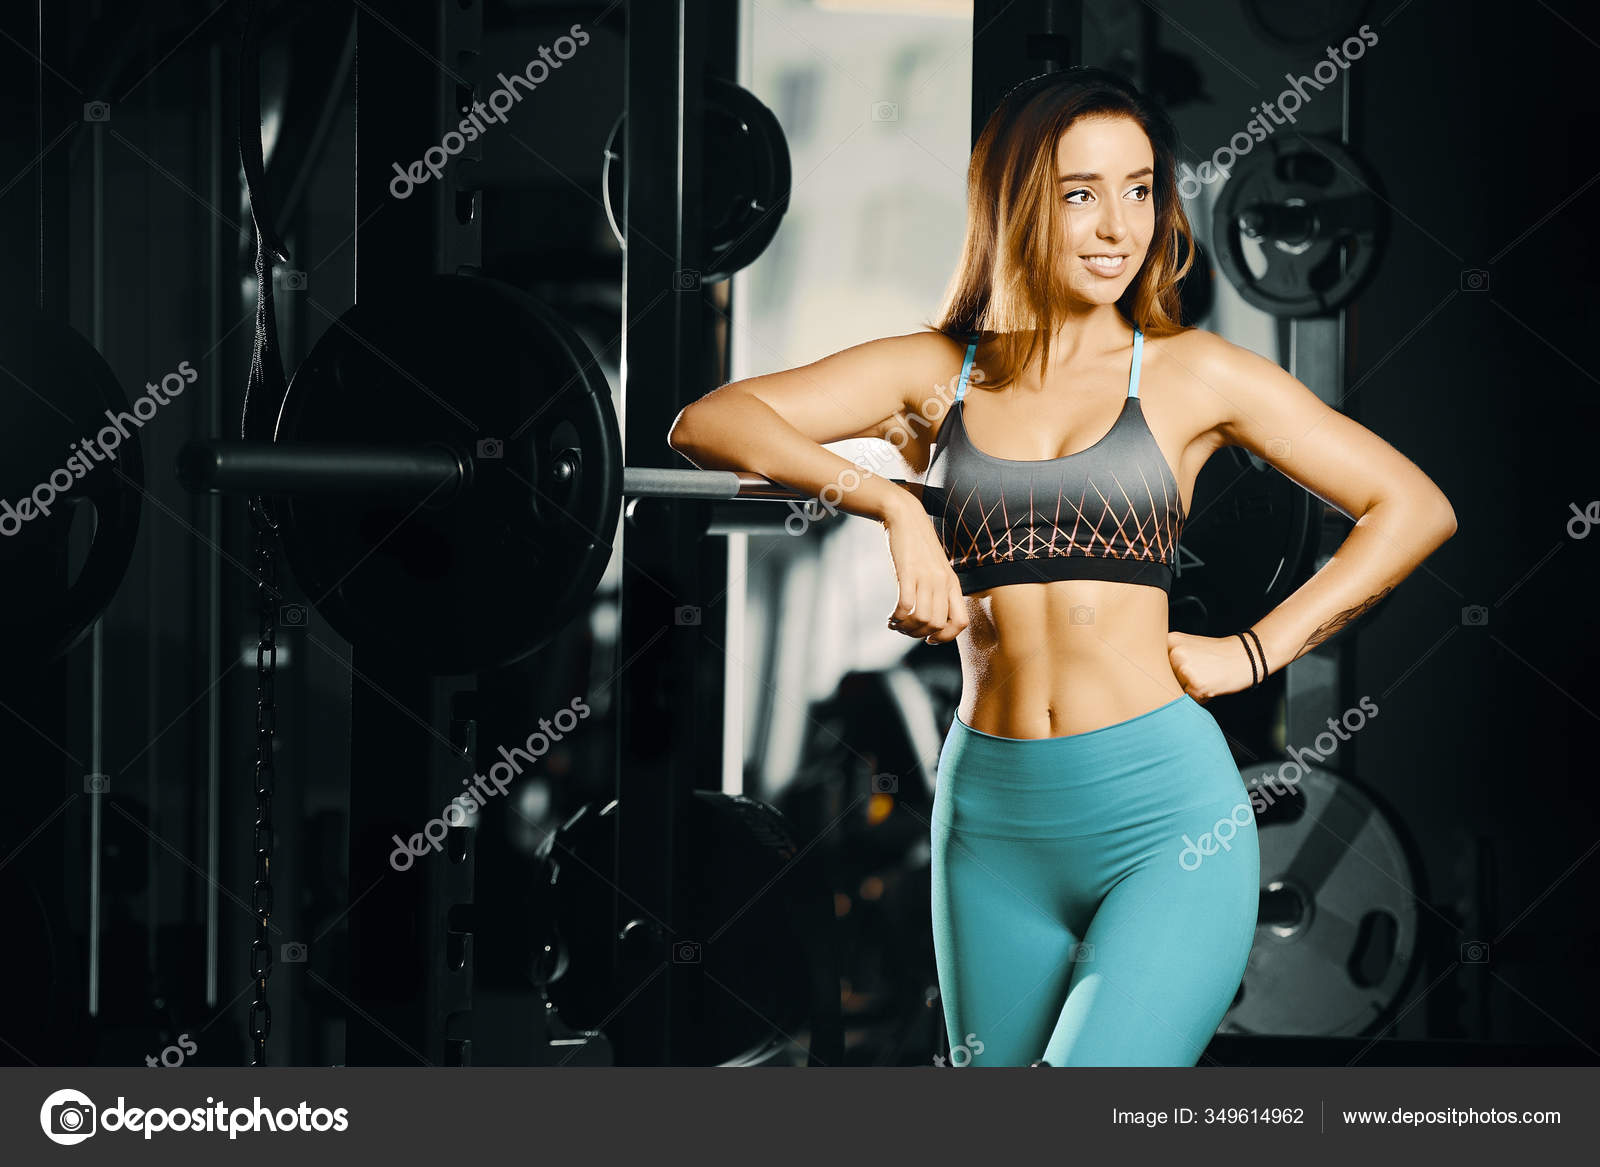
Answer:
(1254, 679)
(1264, 669)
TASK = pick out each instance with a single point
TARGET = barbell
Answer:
(452, 505)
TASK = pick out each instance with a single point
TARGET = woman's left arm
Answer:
(1400, 516)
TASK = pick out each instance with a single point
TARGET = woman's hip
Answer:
(1146, 772)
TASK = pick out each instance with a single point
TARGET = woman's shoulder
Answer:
(1203, 354)
(922, 358)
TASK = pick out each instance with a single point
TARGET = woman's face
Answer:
(1105, 168)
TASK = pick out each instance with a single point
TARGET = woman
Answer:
(1095, 865)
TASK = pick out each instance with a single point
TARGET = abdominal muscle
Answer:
(1052, 659)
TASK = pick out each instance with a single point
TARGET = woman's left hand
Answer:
(1208, 666)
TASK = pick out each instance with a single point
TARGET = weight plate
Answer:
(1250, 540)
(56, 392)
(484, 577)
(1344, 889)
(745, 179)
(1298, 228)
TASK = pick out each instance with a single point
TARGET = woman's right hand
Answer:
(931, 606)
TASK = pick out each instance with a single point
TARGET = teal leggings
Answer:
(1094, 895)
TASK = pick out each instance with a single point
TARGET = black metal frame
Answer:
(410, 946)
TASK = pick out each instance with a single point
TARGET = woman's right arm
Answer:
(776, 425)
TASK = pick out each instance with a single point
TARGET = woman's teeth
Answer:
(1105, 264)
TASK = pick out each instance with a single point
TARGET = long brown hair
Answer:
(1007, 282)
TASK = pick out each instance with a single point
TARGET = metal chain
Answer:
(266, 552)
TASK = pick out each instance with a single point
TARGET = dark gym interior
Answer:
(232, 715)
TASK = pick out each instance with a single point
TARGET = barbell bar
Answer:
(307, 469)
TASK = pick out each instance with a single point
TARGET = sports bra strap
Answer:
(966, 369)
(1133, 373)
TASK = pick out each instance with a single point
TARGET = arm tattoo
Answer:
(1336, 624)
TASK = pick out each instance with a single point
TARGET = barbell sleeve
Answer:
(649, 482)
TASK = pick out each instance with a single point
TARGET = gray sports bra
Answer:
(1108, 512)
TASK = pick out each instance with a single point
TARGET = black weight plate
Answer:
(487, 576)
(745, 179)
(746, 188)
(1341, 960)
(1250, 540)
(55, 392)
(1320, 228)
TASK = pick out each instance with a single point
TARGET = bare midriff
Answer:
(1052, 659)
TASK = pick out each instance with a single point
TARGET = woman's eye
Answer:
(1085, 193)
(1144, 192)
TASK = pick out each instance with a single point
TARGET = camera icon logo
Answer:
(292, 281)
(686, 952)
(1278, 447)
(1475, 615)
(491, 448)
(886, 784)
(1081, 614)
(97, 111)
(1474, 279)
(686, 616)
(292, 616)
(97, 783)
(685, 280)
(1475, 952)
(885, 111)
(293, 952)
(68, 1117)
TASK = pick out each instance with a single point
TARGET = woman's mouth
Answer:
(1105, 264)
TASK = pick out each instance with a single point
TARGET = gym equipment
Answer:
(485, 523)
(759, 925)
(1298, 228)
(1250, 540)
(745, 178)
(863, 790)
(1336, 941)
(523, 551)
(58, 391)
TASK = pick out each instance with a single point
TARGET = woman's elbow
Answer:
(1447, 515)
(681, 437)
(1445, 523)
